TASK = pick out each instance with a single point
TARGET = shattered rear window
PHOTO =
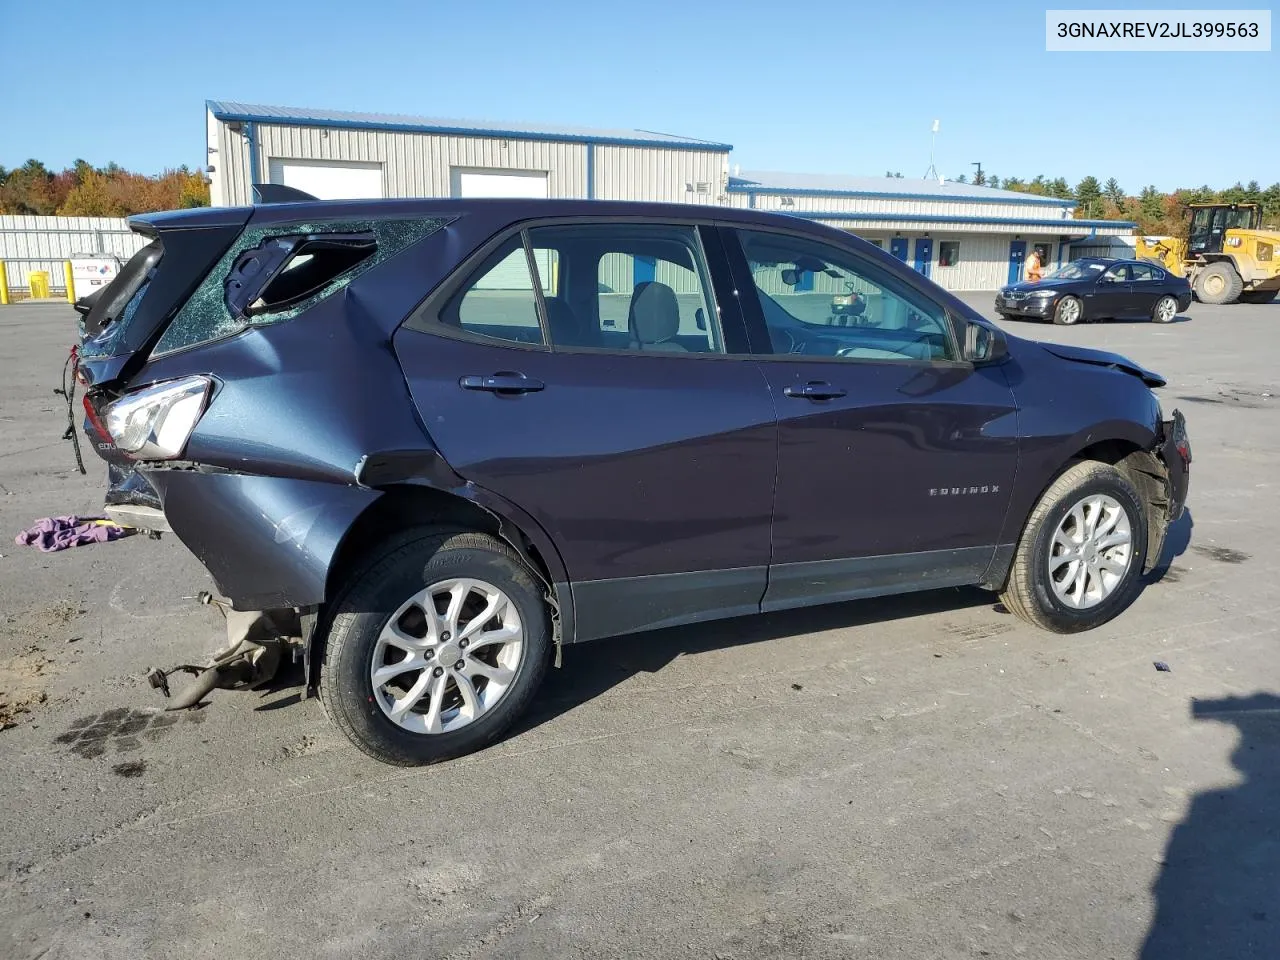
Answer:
(206, 315)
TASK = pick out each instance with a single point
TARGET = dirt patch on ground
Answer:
(24, 675)
(22, 685)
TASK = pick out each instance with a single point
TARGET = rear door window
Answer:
(641, 288)
(498, 302)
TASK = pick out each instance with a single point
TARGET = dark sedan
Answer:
(1097, 288)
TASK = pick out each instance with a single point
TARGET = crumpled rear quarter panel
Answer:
(267, 541)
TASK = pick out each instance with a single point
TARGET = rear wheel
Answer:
(1165, 310)
(1218, 283)
(1079, 562)
(435, 648)
(1068, 311)
(1258, 296)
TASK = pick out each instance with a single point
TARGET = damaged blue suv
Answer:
(427, 443)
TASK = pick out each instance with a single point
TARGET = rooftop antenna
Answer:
(932, 172)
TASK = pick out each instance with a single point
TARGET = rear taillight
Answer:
(154, 423)
(95, 421)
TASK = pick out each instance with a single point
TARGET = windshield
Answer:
(1076, 270)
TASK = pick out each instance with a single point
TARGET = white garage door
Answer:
(499, 183)
(512, 273)
(329, 179)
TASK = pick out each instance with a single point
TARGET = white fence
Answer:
(30, 244)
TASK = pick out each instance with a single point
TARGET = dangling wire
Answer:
(68, 390)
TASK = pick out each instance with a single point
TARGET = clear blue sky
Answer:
(824, 87)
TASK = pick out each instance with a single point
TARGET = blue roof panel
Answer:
(820, 184)
(301, 116)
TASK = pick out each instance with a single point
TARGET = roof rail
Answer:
(279, 193)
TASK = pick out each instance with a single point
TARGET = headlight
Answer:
(154, 423)
(1042, 293)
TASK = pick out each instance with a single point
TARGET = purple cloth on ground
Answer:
(61, 533)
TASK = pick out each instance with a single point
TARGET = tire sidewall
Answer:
(1155, 310)
(1068, 619)
(1058, 316)
(363, 612)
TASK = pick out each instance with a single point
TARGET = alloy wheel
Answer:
(447, 656)
(1091, 552)
(1070, 310)
(1166, 309)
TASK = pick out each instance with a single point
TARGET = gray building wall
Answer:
(421, 164)
(30, 244)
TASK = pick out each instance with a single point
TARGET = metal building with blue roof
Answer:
(965, 237)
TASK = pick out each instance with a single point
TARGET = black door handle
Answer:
(501, 383)
(815, 390)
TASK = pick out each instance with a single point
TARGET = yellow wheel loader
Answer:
(1227, 255)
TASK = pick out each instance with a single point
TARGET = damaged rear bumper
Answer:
(266, 541)
(1175, 452)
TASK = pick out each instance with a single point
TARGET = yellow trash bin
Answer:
(38, 284)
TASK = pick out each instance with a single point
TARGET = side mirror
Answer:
(984, 344)
(700, 319)
(790, 277)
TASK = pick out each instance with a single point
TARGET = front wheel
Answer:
(1080, 560)
(1068, 311)
(1218, 283)
(435, 648)
(1165, 309)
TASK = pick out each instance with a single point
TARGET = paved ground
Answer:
(910, 778)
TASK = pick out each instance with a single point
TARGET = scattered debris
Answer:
(130, 768)
(797, 686)
(61, 533)
(1163, 667)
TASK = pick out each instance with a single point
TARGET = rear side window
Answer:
(273, 273)
(498, 302)
(284, 271)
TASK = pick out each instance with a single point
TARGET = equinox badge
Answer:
(963, 491)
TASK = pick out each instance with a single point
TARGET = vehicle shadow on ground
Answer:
(1176, 542)
(1218, 894)
(591, 669)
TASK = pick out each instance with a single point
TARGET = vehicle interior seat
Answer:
(654, 318)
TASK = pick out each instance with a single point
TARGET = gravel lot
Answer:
(915, 778)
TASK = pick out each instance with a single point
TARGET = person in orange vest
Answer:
(1035, 272)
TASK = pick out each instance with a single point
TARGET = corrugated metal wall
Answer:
(943, 209)
(660, 174)
(420, 164)
(45, 243)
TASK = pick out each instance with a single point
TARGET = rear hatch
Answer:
(124, 321)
